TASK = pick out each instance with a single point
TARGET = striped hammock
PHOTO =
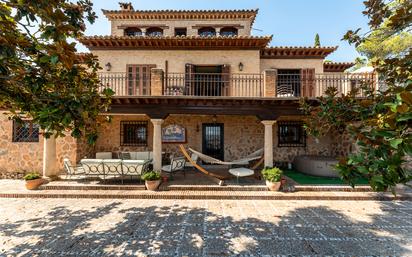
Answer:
(244, 161)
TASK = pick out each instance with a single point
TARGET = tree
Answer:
(317, 40)
(380, 124)
(42, 76)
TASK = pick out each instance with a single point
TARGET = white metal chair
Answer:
(72, 170)
(176, 164)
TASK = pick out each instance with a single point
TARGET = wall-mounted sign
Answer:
(174, 134)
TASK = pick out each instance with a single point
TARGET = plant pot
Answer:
(273, 186)
(152, 185)
(34, 184)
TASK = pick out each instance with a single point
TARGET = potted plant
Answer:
(273, 177)
(152, 180)
(33, 180)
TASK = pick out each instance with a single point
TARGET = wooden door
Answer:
(213, 140)
(138, 79)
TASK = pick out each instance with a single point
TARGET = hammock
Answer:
(244, 161)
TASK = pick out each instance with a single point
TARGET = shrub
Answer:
(272, 174)
(151, 175)
(32, 176)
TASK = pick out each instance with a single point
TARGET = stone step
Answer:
(204, 195)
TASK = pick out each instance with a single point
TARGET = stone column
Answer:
(157, 144)
(49, 157)
(156, 82)
(268, 142)
(270, 77)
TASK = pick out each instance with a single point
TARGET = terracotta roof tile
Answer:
(185, 42)
(181, 14)
(296, 52)
(337, 66)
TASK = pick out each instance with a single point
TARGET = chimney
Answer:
(126, 6)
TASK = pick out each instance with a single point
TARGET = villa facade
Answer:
(198, 78)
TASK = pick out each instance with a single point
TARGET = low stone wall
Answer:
(21, 157)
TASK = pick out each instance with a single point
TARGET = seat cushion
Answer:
(104, 155)
(241, 172)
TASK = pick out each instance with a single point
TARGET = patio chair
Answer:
(112, 168)
(176, 165)
(72, 170)
(284, 90)
(135, 167)
(93, 167)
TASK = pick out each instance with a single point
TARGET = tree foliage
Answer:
(381, 122)
(317, 40)
(42, 76)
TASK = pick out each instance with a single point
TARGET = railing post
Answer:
(269, 82)
(156, 82)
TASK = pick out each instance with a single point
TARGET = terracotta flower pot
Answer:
(273, 186)
(34, 184)
(152, 185)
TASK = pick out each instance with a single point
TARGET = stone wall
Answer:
(316, 64)
(177, 59)
(242, 136)
(24, 157)
(172, 24)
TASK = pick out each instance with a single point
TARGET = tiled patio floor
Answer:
(85, 227)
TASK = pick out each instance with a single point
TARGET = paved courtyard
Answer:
(87, 227)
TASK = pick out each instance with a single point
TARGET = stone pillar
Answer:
(268, 142)
(157, 144)
(49, 157)
(156, 85)
(143, 31)
(269, 82)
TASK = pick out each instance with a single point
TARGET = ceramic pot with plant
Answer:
(152, 180)
(273, 178)
(33, 180)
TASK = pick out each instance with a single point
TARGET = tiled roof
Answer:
(282, 52)
(181, 14)
(337, 66)
(187, 42)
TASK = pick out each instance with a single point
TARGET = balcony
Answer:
(269, 84)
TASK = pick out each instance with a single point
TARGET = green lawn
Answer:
(304, 179)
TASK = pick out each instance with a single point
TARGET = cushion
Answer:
(125, 156)
(104, 155)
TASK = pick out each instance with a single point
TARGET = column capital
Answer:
(157, 121)
(268, 122)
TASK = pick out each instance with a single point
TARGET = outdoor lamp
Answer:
(240, 66)
(108, 66)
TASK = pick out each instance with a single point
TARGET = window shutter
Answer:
(308, 82)
(226, 89)
(189, 79)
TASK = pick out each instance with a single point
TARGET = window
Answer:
(228, 32)
(154, 32)
(180, 32)
(133, 133)
(207, 32)
(132, 32)
(288, 83)
(291, 134)
(25, 131)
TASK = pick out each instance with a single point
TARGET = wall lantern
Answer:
(240, 66)
(108, 66)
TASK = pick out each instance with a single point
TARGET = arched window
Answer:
(132, 32)
(228, 32)
(154, 32)
(207, 32)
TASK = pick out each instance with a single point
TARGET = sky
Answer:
(291, 22)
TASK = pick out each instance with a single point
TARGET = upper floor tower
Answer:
(171, 23)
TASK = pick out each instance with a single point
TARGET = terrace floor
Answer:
(143, 227)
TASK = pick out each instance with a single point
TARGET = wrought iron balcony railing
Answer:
(236, 85)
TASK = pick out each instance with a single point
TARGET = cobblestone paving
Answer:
(85, 227)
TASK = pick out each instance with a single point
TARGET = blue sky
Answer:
(291, 22)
